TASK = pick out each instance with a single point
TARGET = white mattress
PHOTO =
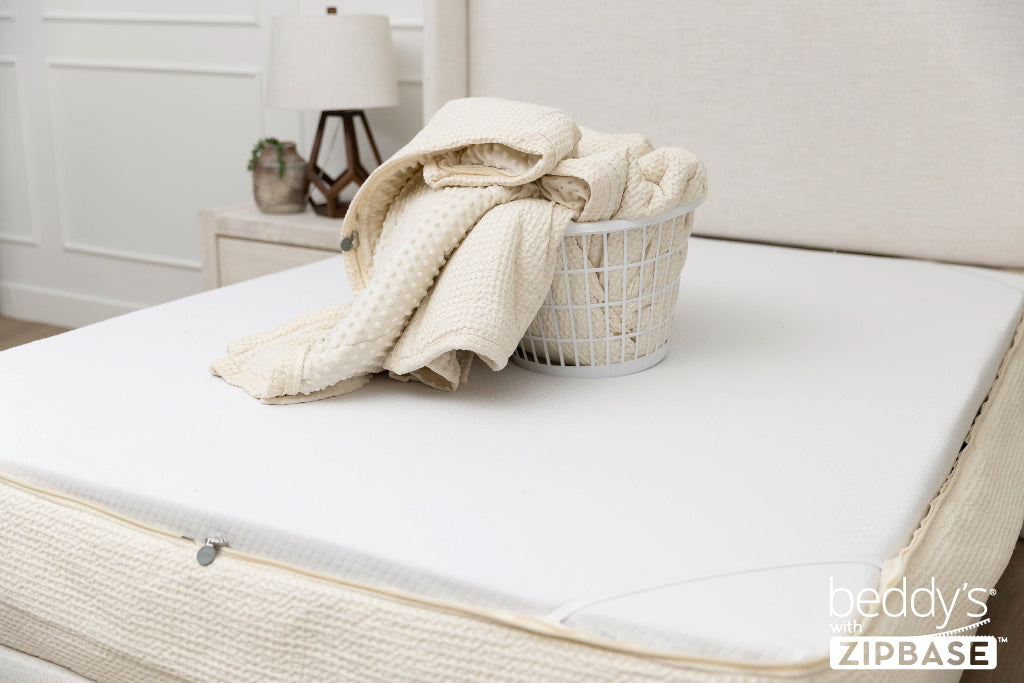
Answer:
(18, 667)
(809, 409)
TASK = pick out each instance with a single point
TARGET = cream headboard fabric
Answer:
(873, 126)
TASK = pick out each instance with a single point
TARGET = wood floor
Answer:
(17, 332)
(1006, 609)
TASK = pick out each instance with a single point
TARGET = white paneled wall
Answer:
(121, 119)
(15, 217)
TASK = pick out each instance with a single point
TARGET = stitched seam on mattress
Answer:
(896, 567)
(522, 622)
(567, 609)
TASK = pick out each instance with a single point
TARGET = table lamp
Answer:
(340, 64)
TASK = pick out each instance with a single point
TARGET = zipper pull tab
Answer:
(350, 242)
(208, 553)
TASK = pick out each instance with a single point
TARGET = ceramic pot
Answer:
(276, 192)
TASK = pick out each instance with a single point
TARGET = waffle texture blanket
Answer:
(455, 239)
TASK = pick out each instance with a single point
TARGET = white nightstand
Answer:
(240, 242)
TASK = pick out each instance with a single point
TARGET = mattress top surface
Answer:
(809, 409)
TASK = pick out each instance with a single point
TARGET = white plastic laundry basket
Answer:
(610, 306)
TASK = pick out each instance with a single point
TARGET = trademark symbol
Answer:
(1002, 639)
(992, 592)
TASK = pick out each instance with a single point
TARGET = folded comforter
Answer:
(455, 239)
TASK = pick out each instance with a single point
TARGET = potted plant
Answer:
(279, 181)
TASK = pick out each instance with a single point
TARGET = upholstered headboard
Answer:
(875, 126)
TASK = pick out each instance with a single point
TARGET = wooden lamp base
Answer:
(330, 187)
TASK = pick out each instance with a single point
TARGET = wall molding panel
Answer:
(115, 13)
(128, 255)
(24, 240)
(91, 18)
(91, 242)
(30, 238)
(155, 67)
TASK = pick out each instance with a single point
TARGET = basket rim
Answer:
(628, 367)
(620, 224)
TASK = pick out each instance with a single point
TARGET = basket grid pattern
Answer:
(612, 298)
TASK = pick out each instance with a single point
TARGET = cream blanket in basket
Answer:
(455, 243)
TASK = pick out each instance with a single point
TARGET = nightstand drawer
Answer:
(241, 259)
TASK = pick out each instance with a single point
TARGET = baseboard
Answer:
(58, 307)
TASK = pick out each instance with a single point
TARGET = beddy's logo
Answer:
(899, 601)
(946, 649)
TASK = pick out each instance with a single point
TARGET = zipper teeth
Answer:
(522, 622)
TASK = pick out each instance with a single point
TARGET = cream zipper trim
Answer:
(526, 623)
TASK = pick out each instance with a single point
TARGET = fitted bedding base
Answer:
(117, 601)
(428, 542)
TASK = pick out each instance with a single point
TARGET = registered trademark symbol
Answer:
(992, 592)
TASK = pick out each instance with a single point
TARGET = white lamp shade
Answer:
(333, 61)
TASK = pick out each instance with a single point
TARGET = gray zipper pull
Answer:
(348, 243)
(208, 553)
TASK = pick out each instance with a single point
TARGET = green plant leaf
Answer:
(258, 149)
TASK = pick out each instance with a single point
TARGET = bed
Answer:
(823, 419)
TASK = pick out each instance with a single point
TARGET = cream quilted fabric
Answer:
(456, 239)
